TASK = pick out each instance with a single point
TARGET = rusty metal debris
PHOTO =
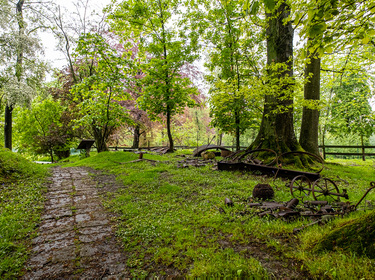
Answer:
(320, 211)
(263, 191)
(197, 152)
(301, 187)
(160, 150)
(228, 202)
(248, 161)
(193, 162)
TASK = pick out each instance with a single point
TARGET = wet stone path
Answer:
(75, 239)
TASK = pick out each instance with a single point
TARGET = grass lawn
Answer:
(171, 221)
(21, 201)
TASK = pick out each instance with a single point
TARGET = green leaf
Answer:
(254, 8)
(270, 5)
(366, 39)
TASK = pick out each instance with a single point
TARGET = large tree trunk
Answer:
(276, 131)
(101, 138)
(8, 127)
(310, 116)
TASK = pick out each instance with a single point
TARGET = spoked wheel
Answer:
(269, 157)
(324, 187)
(300, 187)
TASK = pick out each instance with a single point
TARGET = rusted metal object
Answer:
(292, 203)
(246, 161)
(160, 150)
(265, 170)
(193, 162)
(250, 157)
(327, 188)
(197, 152)
(228, 202)
(300, 187)
(372, 184)
(263, 192)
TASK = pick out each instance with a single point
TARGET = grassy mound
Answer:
(357, 236)
(14, 167)
(21, 200)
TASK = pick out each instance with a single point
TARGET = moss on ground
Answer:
(356, 236)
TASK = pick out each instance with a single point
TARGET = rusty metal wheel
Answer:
(300, 187)
(251, 157)
(324, 187)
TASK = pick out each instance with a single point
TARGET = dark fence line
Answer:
(176, 147)
(323, 148)
(363, 152)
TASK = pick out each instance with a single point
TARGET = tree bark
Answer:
(136, 136)
(310, 117)
(237, 121)
(171, 145)
(100, 139)
(276, 131)
(8, 127)
(18, 74)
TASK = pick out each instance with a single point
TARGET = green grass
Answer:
(170, 219)
(21, 201)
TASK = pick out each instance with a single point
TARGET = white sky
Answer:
(52, 55)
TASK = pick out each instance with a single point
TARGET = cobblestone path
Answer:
(75, 239)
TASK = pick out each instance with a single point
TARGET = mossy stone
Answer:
(356, 236)
(208, 155)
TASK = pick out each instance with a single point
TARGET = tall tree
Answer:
(277, 130)
(351, 111)
(166, 91)
(331, 27)
(232, 61)
(21, 71)
(309, 136)
(18, 74)
(101, 90)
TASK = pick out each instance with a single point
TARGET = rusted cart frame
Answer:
(301, 187)
(247, 162)
(265, 170)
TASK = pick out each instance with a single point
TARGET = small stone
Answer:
(208, 155)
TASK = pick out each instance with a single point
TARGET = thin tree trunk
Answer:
(51, 154)
(171, 145)
(237, 121)
(310, 116)
(136, 136)
(8, 127)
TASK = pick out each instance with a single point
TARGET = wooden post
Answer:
(88, 151)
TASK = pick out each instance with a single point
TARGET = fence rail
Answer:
(176, 147)
(363, 152)
(323, 148)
